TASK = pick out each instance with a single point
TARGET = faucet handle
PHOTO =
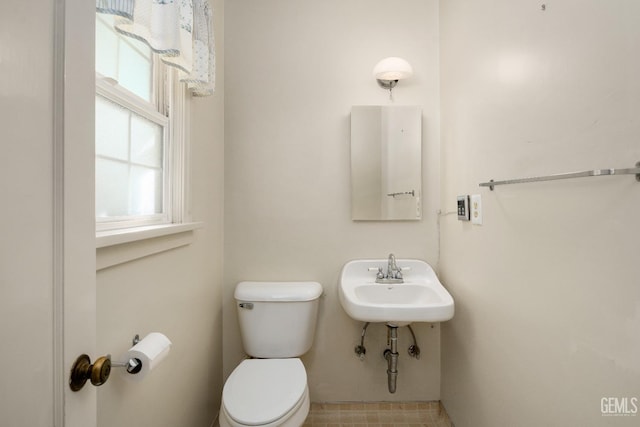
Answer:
(379, 272)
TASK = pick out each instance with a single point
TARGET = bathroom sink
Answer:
(420, 298)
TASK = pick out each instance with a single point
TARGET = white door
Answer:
(47, 239)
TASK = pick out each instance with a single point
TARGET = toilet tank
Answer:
(277, 319)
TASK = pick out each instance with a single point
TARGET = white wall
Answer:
(547, 296)
(178, 292)
(294, 69)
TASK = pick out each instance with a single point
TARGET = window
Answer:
(139, 134)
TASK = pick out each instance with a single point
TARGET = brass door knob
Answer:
(82, 370)
(100, 371)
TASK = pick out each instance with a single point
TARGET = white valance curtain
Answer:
(180, 31)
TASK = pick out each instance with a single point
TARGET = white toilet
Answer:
(277, 324)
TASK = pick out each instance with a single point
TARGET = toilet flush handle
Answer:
(247, 305)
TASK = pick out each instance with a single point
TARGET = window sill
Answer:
(119, 246)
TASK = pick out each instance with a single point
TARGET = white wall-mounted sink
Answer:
(421, 298)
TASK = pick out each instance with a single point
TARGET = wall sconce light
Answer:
(388, 71)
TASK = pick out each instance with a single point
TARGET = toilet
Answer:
(277, 325)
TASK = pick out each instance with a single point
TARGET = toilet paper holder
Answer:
(98, 372)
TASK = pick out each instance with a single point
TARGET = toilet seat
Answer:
(263, 391)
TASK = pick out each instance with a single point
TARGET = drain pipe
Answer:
(391, 354)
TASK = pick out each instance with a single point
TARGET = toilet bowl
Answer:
(266, 393)
(277, 324)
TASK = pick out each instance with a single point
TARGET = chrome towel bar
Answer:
(402, 193)
(595, 172)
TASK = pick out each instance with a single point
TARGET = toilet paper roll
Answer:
(150, 351)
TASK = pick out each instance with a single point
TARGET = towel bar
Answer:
(595, 172)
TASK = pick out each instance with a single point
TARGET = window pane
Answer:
(112, 188)
(146, 191)
(129, 162)
(112, 129)
(127, 60)
(146, 142)
(135, 68)
(106, 48)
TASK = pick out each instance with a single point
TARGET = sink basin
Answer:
(421, 298)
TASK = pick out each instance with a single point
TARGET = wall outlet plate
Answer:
(476, 209)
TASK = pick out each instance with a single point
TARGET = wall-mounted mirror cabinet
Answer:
(386, 160)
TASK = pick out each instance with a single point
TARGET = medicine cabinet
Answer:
(386, 163)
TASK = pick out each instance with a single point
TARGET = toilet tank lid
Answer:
(278, 291)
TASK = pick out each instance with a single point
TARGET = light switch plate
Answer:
(476, 209)
(463, 208)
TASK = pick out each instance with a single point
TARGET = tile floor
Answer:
(383, 414)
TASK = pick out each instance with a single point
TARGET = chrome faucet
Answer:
(392, 269)
(394, 273)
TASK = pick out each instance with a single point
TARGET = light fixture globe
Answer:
(392, 68)
(388, 71)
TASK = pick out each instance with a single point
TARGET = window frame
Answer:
(170, 109)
